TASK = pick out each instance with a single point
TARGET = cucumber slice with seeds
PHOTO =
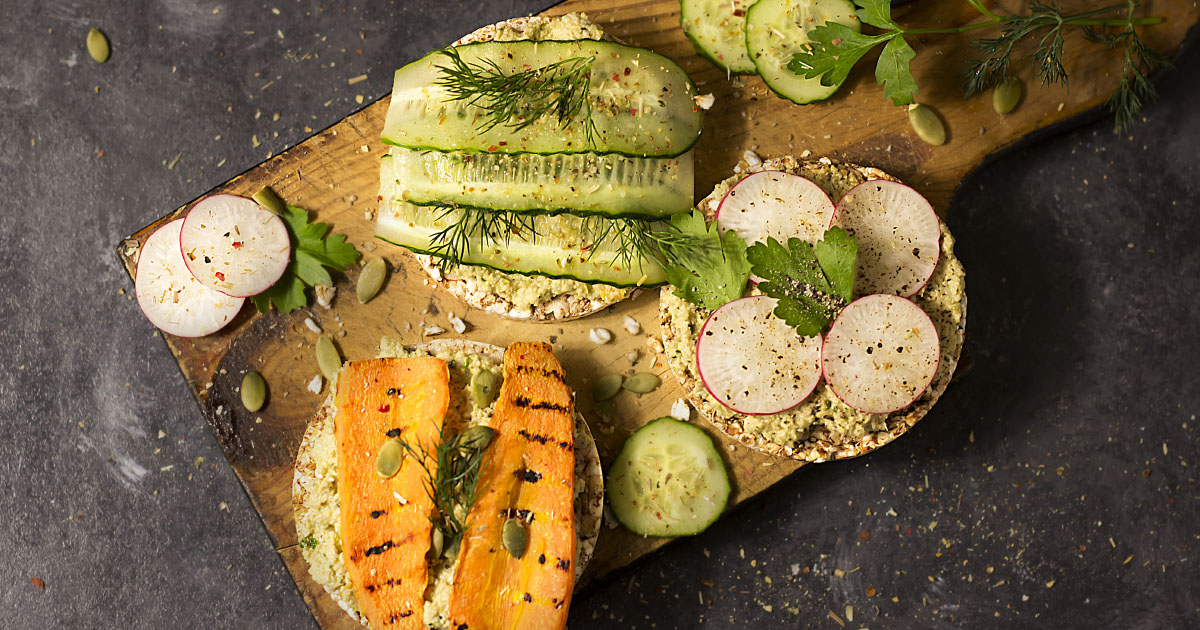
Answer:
(668, 480)
(775, 29)
(562, 247)
(717, 29)
(640, 103)
(582, 183)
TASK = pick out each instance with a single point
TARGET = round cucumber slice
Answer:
(776, 29)
(668, 480)
(717, 29)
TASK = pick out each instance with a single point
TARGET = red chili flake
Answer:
(908, 531)
(616, 77)
(865, 535)
(37, 581)
(237, 244)
(493, 148)
(385, 408)
(738, 13)
(358, 50)
(633, 111)
(220, 276)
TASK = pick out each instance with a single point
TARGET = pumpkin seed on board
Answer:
(515, 537)
(477, 437)
(642, 383)
(436, 541)
(607, 387)
(926, 123)
(328, 357)
(389, 458)
(370, 279)
(97, 45)
(254, 391)
(270, 201)
(484, 388)
(1006, 95)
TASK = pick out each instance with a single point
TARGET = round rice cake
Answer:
(821, 428)
(515, 296)
(316, 507)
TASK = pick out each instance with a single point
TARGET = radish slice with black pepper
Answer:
(171, 298)
(235, 246)
(880, 354)
(753, 362)
(898, 237)
(778, 205)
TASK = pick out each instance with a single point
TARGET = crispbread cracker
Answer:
(821, 444)
(311, 507)
(562, 306)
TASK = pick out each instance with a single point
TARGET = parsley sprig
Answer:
(706, 267)
(836, 48)
(314, 252)
(812, 282)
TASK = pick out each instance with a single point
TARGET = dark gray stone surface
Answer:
(1054, 485)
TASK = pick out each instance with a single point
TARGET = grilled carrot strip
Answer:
(528, 473)
(385, 522)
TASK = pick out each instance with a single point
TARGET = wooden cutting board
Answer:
(335, 174)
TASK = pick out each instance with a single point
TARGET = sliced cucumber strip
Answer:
(583, 183)
(776, 29)
(717, 29)
(641, 103)
(668, 480)
(561, 248)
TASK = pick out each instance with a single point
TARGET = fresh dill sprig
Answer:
(634, 240)
(453, 243)
(452, 468)
(561, 89)
(835, 49)
(1135, 88)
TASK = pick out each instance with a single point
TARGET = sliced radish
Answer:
(171, 298)
(898, 237)
(880, 354)
(753, 362)
(775, 204)
(235, 246)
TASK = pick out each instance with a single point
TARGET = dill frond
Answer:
(561, 89)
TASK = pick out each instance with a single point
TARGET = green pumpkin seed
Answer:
(436, 540)
(270, 201)
(1006, 95)
(387, 462)
(607, 387)
(926, 123)
(97, 45)
(515, 537)
(477, 437)
(254, 391)
(484, 387)
(642, 383)
(370, 279)
(328, 358)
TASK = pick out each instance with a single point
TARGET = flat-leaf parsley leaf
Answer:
(812, 283)
(314, 252)
(708, 268)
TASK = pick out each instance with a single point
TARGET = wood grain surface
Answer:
(335, 175)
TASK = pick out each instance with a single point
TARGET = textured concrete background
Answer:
(1055, 485)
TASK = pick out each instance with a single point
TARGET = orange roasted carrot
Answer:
(385, 522)
(528, 473)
